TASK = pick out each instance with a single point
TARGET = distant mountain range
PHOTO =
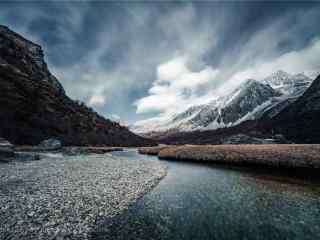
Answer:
(295, 121)
(34, 106)
(252, 100)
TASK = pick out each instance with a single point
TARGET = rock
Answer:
(5, 153)
(6, 149)
(64, 199)
(26, 156)
(6, 144)
(50, 145)
(73, 151)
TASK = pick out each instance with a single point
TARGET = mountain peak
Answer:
(19, 39)
(252, 85)
(34, 106)
(277, 77)
(250, 81)
(3, 27)
(286, 83)
(299, 121)
(250, 100)
(302, 76)
(31, 58)
(281, 72)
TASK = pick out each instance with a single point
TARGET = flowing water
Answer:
(196, 201)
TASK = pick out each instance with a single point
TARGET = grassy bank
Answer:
(274, 155)
(152, 150)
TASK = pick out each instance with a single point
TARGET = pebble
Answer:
(61, 198)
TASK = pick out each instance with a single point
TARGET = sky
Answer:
(137, 60)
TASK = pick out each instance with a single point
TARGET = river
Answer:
(197, 201)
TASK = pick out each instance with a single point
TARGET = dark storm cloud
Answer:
(108, 54)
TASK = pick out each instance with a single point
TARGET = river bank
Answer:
(62, 197)
(208, 202)
(301, 156)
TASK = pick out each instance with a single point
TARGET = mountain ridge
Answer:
(253, 99)
(296, 122)
(300, 120)
(35, 107)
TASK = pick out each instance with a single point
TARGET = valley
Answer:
(205, 201)
(159, 120)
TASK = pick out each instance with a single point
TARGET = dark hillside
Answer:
(34, 106)
(300, 121)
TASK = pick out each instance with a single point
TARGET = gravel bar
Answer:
(63, 197)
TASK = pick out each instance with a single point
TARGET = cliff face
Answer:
(300, 120)
(34, 106)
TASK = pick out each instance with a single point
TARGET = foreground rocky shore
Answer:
(306, 156)
(63, 197)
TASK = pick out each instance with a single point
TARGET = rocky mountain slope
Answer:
(288, 84)
(300, 120)
(242, 104)
(291, 88)
(251, 100)
(34, 106)
(295, 121)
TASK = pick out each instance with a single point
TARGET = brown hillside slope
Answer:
(34, 106)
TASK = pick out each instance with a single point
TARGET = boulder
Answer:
(51, 144)
(6, 149)
(27, 156)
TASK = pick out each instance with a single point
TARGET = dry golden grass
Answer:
(101, 150)
(152, 150)
(273, 155)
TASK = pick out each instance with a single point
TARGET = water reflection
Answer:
(203, 202)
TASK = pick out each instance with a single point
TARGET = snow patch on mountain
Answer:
(249, 101)
(287, 83)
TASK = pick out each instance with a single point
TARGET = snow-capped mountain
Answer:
(313, 74)
(291, 87)
(251, 100)
(299, 121)
(242, 104)
(287, 83)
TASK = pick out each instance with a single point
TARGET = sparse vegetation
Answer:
(97, 150)
(273, 155)
(153, 150)
(71, 150)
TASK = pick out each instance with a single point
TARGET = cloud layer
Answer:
(136, 60)
(176, 87)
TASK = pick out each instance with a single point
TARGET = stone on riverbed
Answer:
(64, 198)
(6, 149)
(50, 145)
(26, 156)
